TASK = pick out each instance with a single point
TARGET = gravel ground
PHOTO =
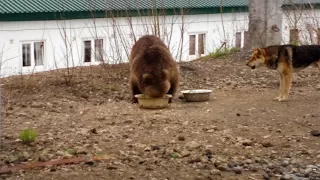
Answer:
(240, 133)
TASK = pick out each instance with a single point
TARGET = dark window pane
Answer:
(192, 44)
(38, 53)
(87, 51)
(201, 42)
(98, 49)
(26, 55)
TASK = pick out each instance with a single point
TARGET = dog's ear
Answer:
(260, 51)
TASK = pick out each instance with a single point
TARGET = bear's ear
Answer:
(146, 76)
(166, 74)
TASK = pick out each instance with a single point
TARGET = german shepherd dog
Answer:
(286, 59)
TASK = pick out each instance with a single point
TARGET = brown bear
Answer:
(153, 72)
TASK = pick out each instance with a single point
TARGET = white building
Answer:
(45, 35)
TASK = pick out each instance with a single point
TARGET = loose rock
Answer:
(185, 153)
(215, 172)
(267, 144)
(237, 170)
(285, 177)
(315, 132)
(247, 142)
(181, 138)
(192, 145)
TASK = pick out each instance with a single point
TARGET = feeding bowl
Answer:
(196, 95)
(153, 103)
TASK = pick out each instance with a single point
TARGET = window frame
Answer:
(32, 54)
(196, 45)
(93, 50)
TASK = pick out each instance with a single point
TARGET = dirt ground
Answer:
(240, 133)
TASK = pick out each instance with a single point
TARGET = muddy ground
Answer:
(240, 133)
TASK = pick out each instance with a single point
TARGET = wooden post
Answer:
(245, 38)
(318, 35)
(294, 36)
(238, 39)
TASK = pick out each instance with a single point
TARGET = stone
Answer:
(315, 133)
(237, 170)
(285, 163)
(185, 153)
(192, 145)
(248, 161)
(25, 155)
(253, 168)
(267, 144)
(215, 172)
(81, 150)
(285, 177)
(223, 167)
(247, 142)
(265, 176)
(181, 138)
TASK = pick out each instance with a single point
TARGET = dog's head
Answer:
(257, 59)
(260, 57)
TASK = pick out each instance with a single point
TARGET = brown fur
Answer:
(153, 72)
(285, 59)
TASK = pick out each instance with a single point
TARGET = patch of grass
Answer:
(28, 135)
(175, 155)
(234, 50)
(296, 43)
(72, 151)
(111, 87)
(222, 52)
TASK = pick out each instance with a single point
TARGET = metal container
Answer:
(153, 103)
(196, 95)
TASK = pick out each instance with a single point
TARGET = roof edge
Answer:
(45, 16)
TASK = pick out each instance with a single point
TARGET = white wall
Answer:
(117, 35)
(307, 21)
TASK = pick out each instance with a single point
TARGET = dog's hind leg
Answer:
(317, 64)
(287, 84)
(281, 87)
(286, 71)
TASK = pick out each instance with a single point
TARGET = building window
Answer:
(201, 42)
(26, 55)
(192, 44)
(238, 39)
(35, 59)
(38, 53)
(241, 41)
(87, 51)
(96, 47)
(197, 41)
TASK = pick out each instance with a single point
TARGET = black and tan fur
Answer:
(286, 59)
(153, 71)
